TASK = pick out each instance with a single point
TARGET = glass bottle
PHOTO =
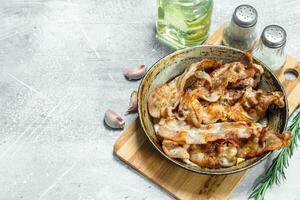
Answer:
(270, 48)
(241, 33)
(182, 23)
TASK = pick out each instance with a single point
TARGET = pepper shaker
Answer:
(241, 33)
(270, 48)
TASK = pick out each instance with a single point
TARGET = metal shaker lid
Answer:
(245, 16)
(273, 36)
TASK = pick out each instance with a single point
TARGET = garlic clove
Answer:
(135, 73)
(113, 120)
(133, 104)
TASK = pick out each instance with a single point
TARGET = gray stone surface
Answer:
(61, 67)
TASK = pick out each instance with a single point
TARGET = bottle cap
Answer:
(273, 36)
(245, 16)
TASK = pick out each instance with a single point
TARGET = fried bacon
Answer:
(254, 104)
(164, 99)
(247, 105)
(214, 155)
(268, 140)
(231, 96)
(175, 150)
(183, 133)
(226, 153)
(211, 115)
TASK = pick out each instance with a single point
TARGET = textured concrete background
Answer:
(61, 67)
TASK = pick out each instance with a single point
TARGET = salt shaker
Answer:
(241, 33)
(270, 48)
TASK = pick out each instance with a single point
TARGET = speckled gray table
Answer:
(61, 67)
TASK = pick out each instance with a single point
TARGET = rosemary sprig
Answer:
(275, 173)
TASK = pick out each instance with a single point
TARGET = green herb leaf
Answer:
(275, 173)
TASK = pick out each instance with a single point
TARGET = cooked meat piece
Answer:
(194, 113)
(247, 59)
(207, 95)
(185, 78)
(247, 82)
(229, 73)
(238, 113)
(227, 153)
(255, 70)
(203, 79)
(174, 150)
(197, 71)
(237, 75)
(189, 109)
(194, 117)
(256, 103)
(269, 140)
(183, 133)
(251, 107)
(214, 112)
(214, 154)
(254, 73)
(203, 159)
(231, 96)
(164, 99)
(208, 65)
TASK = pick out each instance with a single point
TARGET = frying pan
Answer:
(173, 65)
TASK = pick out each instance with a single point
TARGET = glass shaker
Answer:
(270, 48)
(241, 33)
(182, 23)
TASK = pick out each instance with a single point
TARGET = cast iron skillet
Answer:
(173, 65)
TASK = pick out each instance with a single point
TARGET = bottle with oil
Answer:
(182, 23)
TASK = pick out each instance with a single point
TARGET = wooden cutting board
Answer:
(134, 149)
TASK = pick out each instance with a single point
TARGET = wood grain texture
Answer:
(134, 148)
